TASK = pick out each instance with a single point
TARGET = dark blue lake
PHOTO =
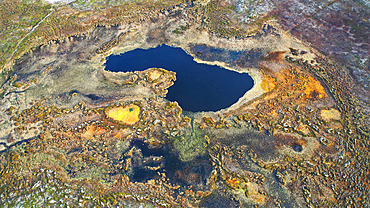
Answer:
(199, 87)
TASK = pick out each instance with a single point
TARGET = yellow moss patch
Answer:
(331, 114)
(127, 115)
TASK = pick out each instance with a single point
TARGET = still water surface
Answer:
(199, 87)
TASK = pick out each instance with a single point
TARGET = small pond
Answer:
(199, 87)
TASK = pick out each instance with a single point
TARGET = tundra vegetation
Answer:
(74, 134)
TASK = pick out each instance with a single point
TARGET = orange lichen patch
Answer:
(273, 113)
(268, 83)
(254, 192)
(92, 131)
(292, 85)
(289, 78)
(234, 183)
(89, 133)
(128, 115)
(313, 88)
(331, 114)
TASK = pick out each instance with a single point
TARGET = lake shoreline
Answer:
(200, 86)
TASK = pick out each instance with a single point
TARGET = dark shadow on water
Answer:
(94, 97)
(193, 172)
(172, 162)
(199, 87)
